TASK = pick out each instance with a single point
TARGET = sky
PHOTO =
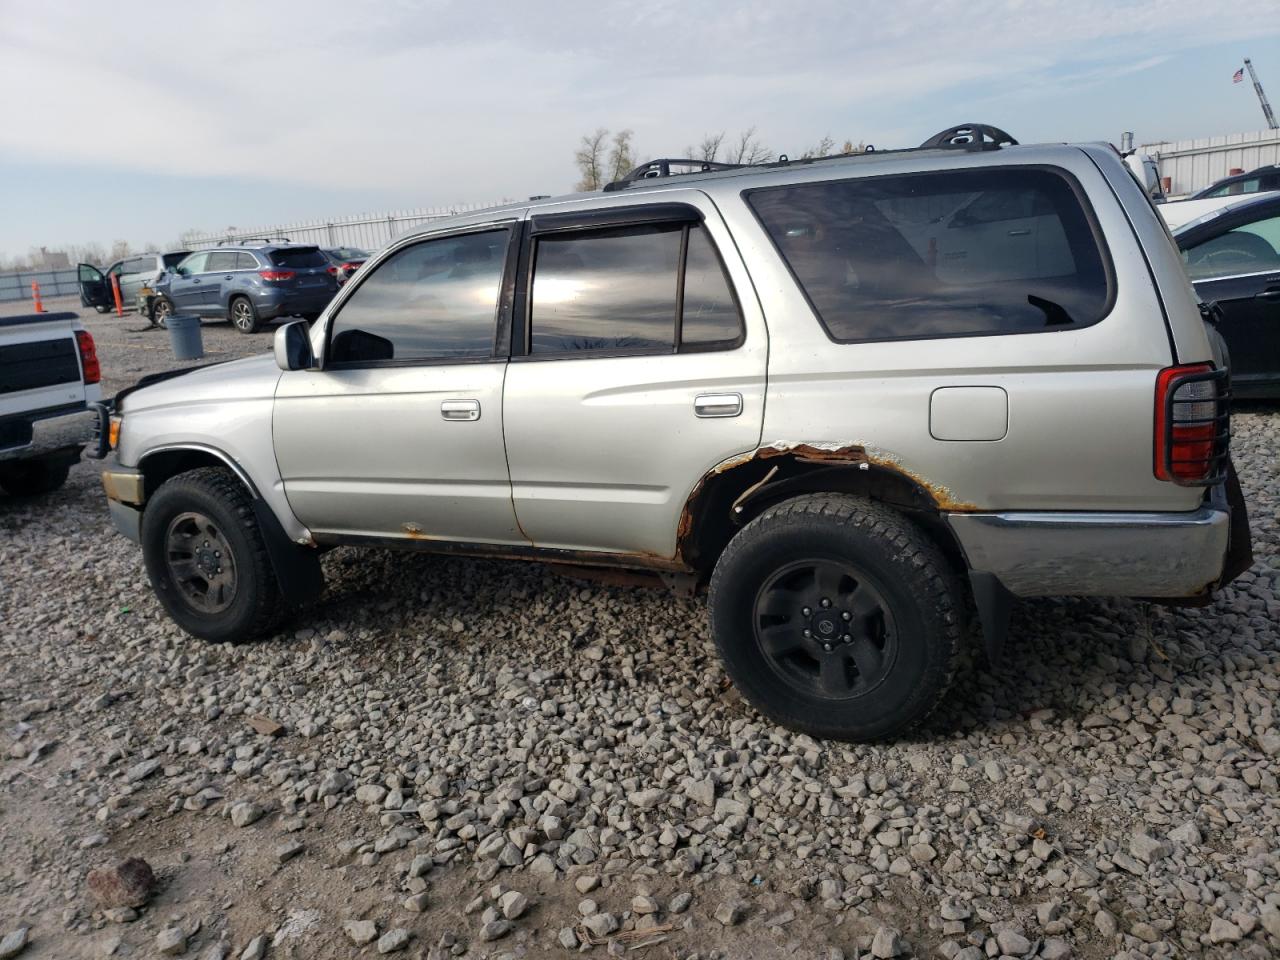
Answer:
(142, 120)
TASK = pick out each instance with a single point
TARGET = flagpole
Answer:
(1262, 97)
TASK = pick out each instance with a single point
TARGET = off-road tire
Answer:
(243, 315)
(256, 605)
(30, 478)
(918, 587)
(101, 308)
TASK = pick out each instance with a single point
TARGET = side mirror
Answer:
(293, 346)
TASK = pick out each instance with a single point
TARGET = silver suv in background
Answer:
(845, 394)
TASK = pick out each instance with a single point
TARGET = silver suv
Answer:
(848, 395)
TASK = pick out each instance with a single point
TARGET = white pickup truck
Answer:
(49, 375)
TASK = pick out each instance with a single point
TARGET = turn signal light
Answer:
(113, 433)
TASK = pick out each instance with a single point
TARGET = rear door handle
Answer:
(717, 404)
(1268, 295)
(460, 409)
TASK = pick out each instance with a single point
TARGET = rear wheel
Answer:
(102, 308)
(206, 557)
(161, 311)
(836, 616)
(244, 316)
(28, 478)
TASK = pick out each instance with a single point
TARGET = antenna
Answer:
(1262, 97)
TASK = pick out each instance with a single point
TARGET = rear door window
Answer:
(958, 253)
(298, 257)
(623, 290)
(221, 261)
(246, 261)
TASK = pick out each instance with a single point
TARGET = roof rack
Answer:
(966, 136)
(662, 168)
(242, 240)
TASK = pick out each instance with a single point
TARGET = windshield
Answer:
(347, 253)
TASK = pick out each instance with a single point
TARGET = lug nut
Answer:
(826, 647)
(806, 611)
(825, 601)
(808, 632)
(847, 638)
(846, 616)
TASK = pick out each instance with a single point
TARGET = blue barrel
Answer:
(184, 335)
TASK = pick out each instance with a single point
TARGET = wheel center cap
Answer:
(825, 625)
(206, 561)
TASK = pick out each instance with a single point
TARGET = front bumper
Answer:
(1156, 555)
(126, 492)
(33, 435)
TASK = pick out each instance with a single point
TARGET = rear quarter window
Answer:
(296, 257)
(948, 254)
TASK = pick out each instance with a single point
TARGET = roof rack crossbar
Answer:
(662, 168)
(248, 239)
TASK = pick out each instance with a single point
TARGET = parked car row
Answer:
(248, 283)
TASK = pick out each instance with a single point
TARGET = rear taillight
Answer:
(88, 357)
(350, 268)
(1192, 424)
(333, 271)
(274, 275)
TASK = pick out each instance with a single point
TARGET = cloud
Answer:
(453, 100)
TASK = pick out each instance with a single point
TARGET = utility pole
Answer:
(1262, 97)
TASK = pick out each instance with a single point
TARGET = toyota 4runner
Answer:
(849, 395)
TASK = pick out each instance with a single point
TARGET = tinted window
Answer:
(347, 253)
(434, 300)
(221, 261)
(606, 290)
(194, 263)
(297, 257)
(710, 312)
(961, 253)
(246, 261)
(1253, 248)
(173, 259)
(140, 265)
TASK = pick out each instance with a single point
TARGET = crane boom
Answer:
(1262, 97)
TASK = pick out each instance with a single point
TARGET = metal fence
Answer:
(53, 283)
(364, 230)
(1192, 165)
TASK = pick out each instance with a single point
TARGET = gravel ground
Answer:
(451, 757)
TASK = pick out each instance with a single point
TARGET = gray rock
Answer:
(1013, 943)
(568, 939)
(394, 940)
(13, 942)
(246, 812)
(601, 924)
(255, 949)
(1224, 931)
(1147, 848)
(513, 904)
(171, 941)
(1055, 948)
(887, 943)
(680, 902)
(495, 930)
(360, 932)
(730, 912)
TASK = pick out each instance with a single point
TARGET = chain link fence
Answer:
(53, 283)
(369, 231)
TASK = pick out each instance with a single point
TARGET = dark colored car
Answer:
(345, 260)
(1255, 181)
(1232, 256)
(248, 284)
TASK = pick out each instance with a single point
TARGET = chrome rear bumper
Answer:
(1099, 554)
(49, 432)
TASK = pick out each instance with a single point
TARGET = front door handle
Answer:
(1268, 295)
(717, 404)
(460, 409)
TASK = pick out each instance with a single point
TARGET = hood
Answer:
(253, 378)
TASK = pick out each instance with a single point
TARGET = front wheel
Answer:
(206, 557)
(836, 616)
(161, 311)
(244, 316)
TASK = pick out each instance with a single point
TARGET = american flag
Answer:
(1238, 75)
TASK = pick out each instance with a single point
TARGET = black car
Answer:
(345, 261)
(1232, 256)
(1255, 181)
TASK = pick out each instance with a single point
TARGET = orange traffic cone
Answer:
(35, 295)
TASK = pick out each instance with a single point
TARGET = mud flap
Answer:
(994, 603)
(297, 568)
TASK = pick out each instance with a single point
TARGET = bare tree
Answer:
(709, 148)
(748, 148)
(590, 160)
(621, 161)
(120, 249)
(823, 149)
